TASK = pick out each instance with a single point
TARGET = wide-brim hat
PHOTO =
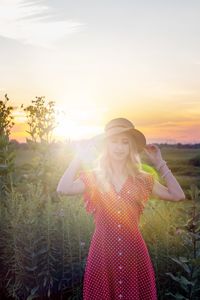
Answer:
(120, 125)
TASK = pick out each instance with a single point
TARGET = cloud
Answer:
(33, 23)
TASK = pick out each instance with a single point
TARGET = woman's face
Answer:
(118, 146)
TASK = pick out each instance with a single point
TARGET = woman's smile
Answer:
(119, 153)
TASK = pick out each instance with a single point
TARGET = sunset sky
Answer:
(104, 59)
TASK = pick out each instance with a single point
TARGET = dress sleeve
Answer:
(145, 187)
(149, 184)
(89, 196)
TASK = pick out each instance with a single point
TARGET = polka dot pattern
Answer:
(118, 264)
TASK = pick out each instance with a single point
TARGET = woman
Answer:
(115, 192)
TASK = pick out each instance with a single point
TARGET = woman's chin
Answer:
(119, 157)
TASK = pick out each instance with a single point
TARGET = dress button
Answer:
(120, 267)
(120, 296)
(119, 225)
(119, 239)
(120, 281)
(120, 253)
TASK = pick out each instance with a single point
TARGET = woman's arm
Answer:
(173, 190)
(68, 184)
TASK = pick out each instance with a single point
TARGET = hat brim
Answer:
(138, 136)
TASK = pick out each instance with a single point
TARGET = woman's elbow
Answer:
(180, 197)
(60, 190)
(64, 191)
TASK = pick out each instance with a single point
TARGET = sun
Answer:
(69, 129)
(75, 125)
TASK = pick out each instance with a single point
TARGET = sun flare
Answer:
(73, 126)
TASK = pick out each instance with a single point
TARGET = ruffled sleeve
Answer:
(149, 184)
(145, 184)
(89, 194)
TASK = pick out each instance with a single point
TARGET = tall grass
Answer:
(45, 237)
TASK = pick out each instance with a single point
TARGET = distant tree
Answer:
(6, 153)
(41, 119)
(14, 144)
(6, 118)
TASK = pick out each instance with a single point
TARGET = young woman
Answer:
(115, 192)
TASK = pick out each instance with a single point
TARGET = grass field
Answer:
(45, 238)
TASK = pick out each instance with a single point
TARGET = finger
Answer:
(146, 151)
(149, 148)
(153, 148)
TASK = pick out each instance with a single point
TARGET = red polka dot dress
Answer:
(118, 265)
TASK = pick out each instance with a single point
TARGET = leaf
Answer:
(183, 281)
(196, 236)
(30, 297)
(45, 281)
(196, 273)
(181, 263)
(49, 292)
(42, 251)
(32, 269)
(176, 296)
(197, 289)
(183, 259)
(196, 262)
(34, 290)
(175, 278)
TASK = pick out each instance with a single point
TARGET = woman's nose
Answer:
(119, 146)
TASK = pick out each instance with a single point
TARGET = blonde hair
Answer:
(103, 168)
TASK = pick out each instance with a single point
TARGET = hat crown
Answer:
(119, 122)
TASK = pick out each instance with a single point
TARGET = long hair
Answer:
(103, 168)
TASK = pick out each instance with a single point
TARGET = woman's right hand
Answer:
(85, 150)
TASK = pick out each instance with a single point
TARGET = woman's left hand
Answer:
(153, 153)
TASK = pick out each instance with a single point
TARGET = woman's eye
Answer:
(123, 142)
(115, 140)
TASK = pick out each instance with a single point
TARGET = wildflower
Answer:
(178, 231)
(82, 243)
(61, 213)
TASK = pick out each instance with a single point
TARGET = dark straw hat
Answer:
(119, 125)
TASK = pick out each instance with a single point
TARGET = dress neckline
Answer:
(122, 186)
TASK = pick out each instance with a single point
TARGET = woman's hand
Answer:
(85, 150)
(154, 154)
